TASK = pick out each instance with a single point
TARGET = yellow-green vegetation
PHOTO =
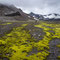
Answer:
(18, 44)
(6, 23)
(58, 45)
(49, 35)
(24, 24)
(57, 32)
(53, 27)
(58, 57)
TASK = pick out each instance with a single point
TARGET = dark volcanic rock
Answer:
(8, 10)
(13, 14)
(12, 11)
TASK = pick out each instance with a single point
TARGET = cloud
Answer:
(36, 6)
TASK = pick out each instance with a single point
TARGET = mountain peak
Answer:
(51, 16)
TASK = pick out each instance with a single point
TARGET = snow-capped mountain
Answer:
(36, 16)
(52, 16)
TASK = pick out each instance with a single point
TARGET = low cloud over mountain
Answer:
(36, 6)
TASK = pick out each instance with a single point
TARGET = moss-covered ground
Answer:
(23, 42)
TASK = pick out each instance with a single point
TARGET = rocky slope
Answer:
(12, 12)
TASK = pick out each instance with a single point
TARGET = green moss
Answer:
(49, 35)
(6, 24)
(24, 24)
(57, 33)
(18, 43)
(59, 57)
(58, 46)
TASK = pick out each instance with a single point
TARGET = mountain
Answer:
(36, 16)
(12, 12)
(52, 16)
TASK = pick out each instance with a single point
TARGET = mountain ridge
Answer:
(52, 16)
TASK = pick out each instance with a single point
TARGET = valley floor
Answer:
(30, 40)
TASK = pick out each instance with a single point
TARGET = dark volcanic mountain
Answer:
(11, 12)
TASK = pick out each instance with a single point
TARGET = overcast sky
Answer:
(36, 6)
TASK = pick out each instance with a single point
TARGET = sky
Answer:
(36, 6)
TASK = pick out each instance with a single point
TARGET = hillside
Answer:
(10, 12)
